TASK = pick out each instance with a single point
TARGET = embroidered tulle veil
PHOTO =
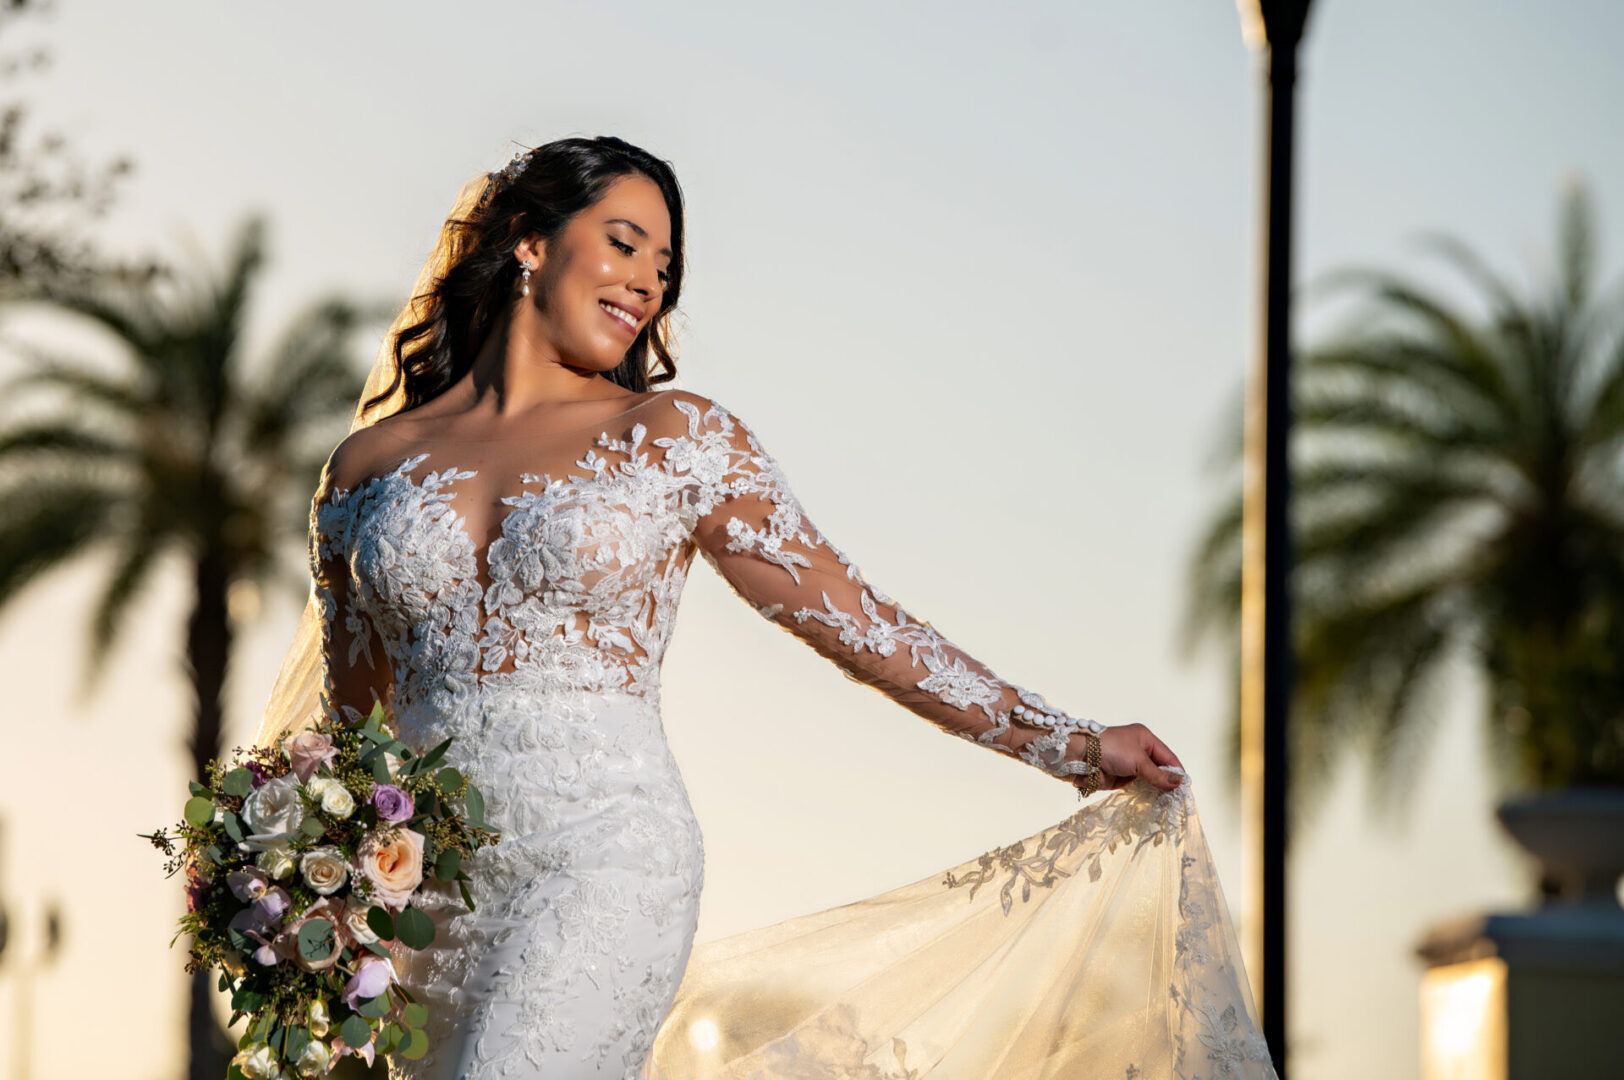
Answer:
(1100, 947)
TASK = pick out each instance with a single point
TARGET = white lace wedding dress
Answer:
(1099, 948)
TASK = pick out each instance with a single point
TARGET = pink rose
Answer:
(395, 869)
(306, 751)
(287, 942)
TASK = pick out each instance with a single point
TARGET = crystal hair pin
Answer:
(513, 168)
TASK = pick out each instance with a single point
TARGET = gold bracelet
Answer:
(1095, 777)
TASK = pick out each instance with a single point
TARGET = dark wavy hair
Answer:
(444, 326)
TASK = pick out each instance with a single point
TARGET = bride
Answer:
(497, 552)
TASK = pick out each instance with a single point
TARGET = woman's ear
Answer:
(531, 250)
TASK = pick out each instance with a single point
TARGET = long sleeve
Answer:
(355, 670)
(751, 528)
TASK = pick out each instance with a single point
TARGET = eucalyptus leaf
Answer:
(447, 865)
(417, 1044)
(239, 782)
(374, 1008)
(373, 946)
(199, 811)
(466, 897)
(313, 827)
(316, 939)
(375, 717)
(356, 1031)
(214, 854)
(381, 922)
(293, 1045)
(234, 1072)
(382, 738)
(233, 826)
(196, 788)
(449, 779)
(380, 770)
(415, 1015)
(476, 806)
(432, 758)
(415, 929)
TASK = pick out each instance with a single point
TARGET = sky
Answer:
(984, 278)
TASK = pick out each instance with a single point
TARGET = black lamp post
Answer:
(1274, 28)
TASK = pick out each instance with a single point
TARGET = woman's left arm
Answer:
(751, 528)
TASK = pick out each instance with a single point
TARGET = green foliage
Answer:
(1458, 487)
(415, 929)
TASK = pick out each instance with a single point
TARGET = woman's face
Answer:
(604, 279)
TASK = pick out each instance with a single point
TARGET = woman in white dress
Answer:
(497, 552)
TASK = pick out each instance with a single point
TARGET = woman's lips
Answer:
(618, 316)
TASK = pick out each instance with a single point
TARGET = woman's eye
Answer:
(626, 249)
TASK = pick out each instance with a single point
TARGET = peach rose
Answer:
(395, 869)
(306, 751)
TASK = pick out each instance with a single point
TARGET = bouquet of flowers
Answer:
(302, 864)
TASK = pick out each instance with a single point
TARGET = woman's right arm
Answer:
(355, 669)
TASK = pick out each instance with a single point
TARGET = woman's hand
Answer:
(1128, 752)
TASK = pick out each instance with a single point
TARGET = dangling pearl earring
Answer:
(524, 285)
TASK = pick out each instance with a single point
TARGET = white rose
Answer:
(258, 1063)
(355, 923)
(338, 801)
(319, 1018)
(324, 869)
(272, 813)
(318, 785)
(313, 1060)
(276, 862)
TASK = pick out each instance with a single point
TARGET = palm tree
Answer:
(185, 451)
(1459, 486)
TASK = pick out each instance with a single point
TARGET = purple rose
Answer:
(260, 775)
(271, 906)
(370, 979)
(393, 803)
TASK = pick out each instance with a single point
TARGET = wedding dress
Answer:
(1099, 948)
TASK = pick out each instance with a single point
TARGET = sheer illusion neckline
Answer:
(403, 469)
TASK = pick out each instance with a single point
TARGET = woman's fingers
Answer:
(1132, 752)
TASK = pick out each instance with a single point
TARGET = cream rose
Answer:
(324, 869)
(338, 801)
(395, 869)
(272, 814)
(313, 1060)
(319, 1019)
(258, 1063)
(276, 862)
(355, 924)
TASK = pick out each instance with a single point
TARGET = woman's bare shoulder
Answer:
(363, 454)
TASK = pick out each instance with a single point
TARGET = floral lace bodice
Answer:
(580, 589)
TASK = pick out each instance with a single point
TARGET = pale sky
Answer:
(982, 277)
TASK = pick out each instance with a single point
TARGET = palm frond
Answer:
(1500, 381)
(48, 520)
(139, 552)
(64, 440)
(62, 373)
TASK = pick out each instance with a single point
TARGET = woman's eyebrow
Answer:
(638, 229)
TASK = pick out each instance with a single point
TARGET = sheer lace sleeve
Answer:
(355, 670)
(751, 528)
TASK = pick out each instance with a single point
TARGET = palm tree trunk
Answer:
(208, 649)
